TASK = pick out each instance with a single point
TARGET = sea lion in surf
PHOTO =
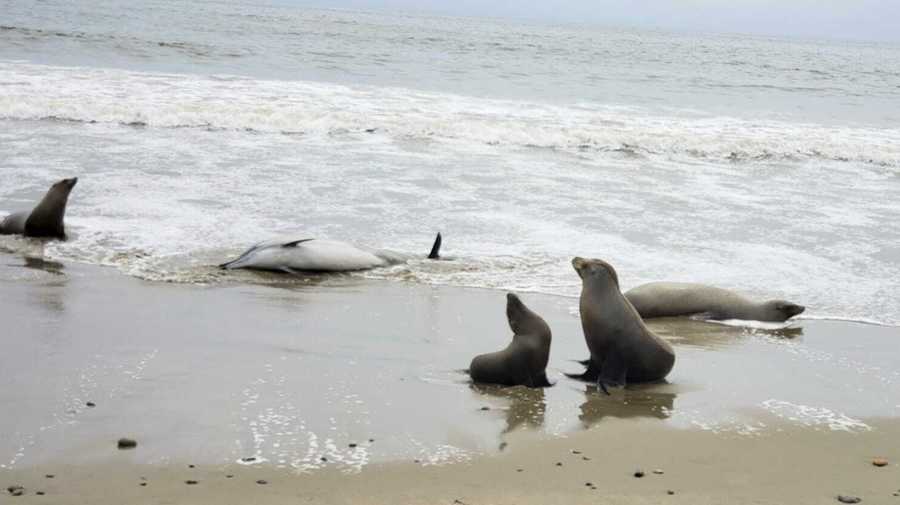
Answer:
(293, 255)
(46, 219)
(524, 361)
(669, 299)
(623, 350)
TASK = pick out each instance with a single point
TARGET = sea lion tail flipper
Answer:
(436, 248)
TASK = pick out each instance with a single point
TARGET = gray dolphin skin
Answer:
(670, 299)
(524, 361)
(623, 350)
(46, 220)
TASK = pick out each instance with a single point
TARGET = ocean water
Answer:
(769, 166)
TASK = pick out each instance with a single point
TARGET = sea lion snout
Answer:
(68, 183)
(578, 264)
(793, 309)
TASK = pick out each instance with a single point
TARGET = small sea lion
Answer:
(524, 361)
(669, 299)
(292, 255)
(46, 219)
(623, 350)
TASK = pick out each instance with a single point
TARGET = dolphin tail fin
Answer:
(436, 248)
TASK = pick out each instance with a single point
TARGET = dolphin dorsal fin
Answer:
(436, 248)
(295, 243)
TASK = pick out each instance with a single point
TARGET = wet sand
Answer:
(301, 375)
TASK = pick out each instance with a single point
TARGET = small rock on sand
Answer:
(658, 471)
(848, 499)
(40, 493)
(262, 482)
(190, 482)
(558, 463)
(127, 443)
(143, 484)
(229, 476)
(49, 476)
(190, 466)
(670, 492)
(91, 404)
(880, 462)
(371, 440)
(248, 459)
(16, 490)
(639, 473)
(352, 445)
(485, 408)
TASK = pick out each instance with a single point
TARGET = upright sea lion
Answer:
(293, 255)
(46, 219)
(524, 361)
(622, 348)
(666, 299)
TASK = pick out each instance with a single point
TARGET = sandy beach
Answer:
(347, 390)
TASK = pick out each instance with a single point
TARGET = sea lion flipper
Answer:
(613, 372)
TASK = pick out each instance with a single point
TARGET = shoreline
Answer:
(295, 373)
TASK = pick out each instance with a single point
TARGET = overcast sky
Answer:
(843, 19)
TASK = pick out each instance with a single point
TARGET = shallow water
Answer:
(764, 165)
(292, 374)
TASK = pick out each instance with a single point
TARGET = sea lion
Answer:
(293, 255)
(46, 219)
(622, 348)
(666, 299)
(524, 361)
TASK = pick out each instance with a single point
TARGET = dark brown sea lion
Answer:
(524, 361)
(46, 219)
(622, 348)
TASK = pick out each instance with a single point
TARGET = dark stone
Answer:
(16, 490)
(127, 443)
(588, 484)
(848, 499)
(670, 492)
(485, 408)
(323, 459)
(229, 476)
(575, 452)
(143, 484)
(371, 440)
(190, 466)
(558, 463)
(519, 470)
(585, 458)
(639, 473)
(190, 482)
(91, 404)
(261, 482)
(49, 476)
(352, 445)
(248, 459)
(40, 493)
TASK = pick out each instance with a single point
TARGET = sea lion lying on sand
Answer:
(665, 299)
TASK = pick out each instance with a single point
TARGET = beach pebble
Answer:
(262, 482)
(40, 493)
(91, 404)
(143, 484)
(880, 462)
(588, 484)
(558, 463)
(16, 490)
(639, 473)
(670, 492)
(190, 482)
(352, 445)
(127, 443)
(585, 458)
(323, 459)
(848, 499)
(574, 451)
(371, 440)
(229, 476)
(190, 466)
(485, 408)
(49, 476)
(248, 459)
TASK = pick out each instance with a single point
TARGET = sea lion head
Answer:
(595, 270)
(781, 310)
(521, 319)
(66, 184)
